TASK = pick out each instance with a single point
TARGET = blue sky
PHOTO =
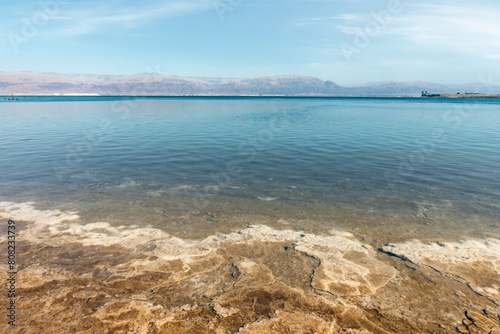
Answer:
(347, 42)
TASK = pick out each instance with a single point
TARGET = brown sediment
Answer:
(473, 262)
(96, 278)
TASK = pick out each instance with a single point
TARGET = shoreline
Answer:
(94, 95)
(465, 96)
(257, 278)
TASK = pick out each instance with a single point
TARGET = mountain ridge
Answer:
(37, 83)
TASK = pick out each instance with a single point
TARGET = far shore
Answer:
(467, 95)
(444, 95)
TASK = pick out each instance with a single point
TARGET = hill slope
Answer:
(159, 84)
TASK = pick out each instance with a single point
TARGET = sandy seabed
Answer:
(76, 277)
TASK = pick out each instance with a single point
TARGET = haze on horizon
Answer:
(347, 42)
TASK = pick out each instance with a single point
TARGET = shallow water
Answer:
(386, 169)
(252, 215)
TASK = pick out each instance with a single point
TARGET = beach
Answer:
(83, 277)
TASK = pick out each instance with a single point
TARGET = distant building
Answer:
(424, 93)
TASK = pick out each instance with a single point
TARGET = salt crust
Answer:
(348, 267)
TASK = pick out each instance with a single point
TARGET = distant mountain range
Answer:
(24, 83)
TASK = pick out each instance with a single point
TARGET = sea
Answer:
(384, 169)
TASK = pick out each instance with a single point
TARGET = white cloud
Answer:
(313, 21)
(349, 30)
(330, 20)
(349, 17)
(447, 28)
(453, 28)
(86, 18)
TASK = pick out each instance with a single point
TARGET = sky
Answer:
(348, 42)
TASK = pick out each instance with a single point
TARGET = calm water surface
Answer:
(385, 168)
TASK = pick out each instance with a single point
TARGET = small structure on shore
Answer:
(424, 93)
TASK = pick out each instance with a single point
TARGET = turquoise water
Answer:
(176, 161)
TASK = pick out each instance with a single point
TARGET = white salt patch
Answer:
(267, 199)
(340, 271)
(475, 261)
(462, 251)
